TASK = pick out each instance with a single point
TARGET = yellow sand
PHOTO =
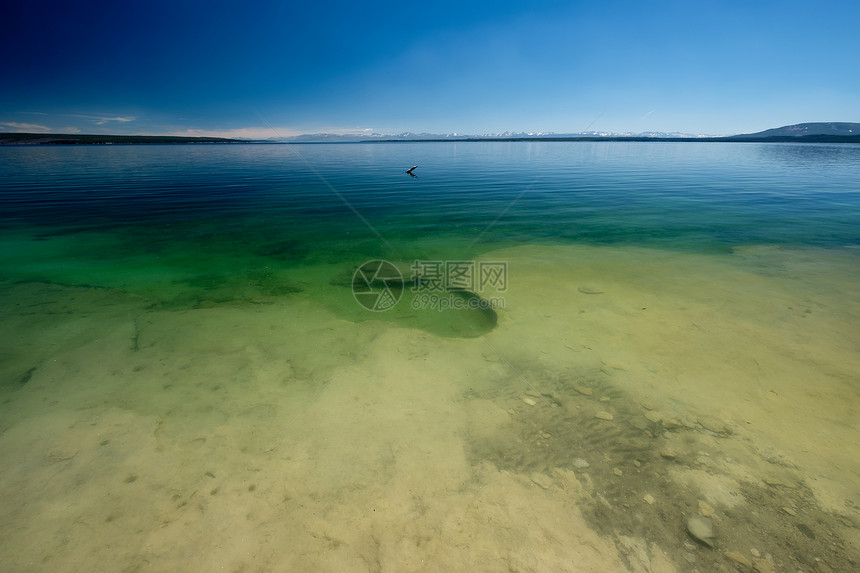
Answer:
(281, 438)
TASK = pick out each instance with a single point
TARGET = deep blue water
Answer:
(201, 207)
(678, 195)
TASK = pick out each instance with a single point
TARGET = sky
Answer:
(260, 69)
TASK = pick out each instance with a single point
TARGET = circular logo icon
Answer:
(377, 285)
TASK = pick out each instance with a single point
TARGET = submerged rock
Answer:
(701, 529)
(705, 509)
(740, 559)
(653, 417)
(542, 480)
(763, 566)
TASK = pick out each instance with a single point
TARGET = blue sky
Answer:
(234, 68)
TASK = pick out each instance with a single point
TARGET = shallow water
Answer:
(187, 380)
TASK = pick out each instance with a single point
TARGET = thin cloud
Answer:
(19, 127)
(238, 133)
(344, 130)
(104, 120)
(92, 119)
(99, 119)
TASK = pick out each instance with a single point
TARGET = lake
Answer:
(542, 356)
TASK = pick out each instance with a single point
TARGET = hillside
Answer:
(823, 131)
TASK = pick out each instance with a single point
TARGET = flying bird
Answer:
(411, 169)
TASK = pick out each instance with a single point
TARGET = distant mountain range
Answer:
(821, 132)
(805, 131)
(837, 132)
(507, 135)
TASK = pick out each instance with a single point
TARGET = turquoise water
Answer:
(188, 382)
(115, 214)
(708, 195)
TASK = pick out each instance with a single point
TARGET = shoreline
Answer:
(13, 139)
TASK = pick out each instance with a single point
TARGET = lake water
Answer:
(533, 356)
